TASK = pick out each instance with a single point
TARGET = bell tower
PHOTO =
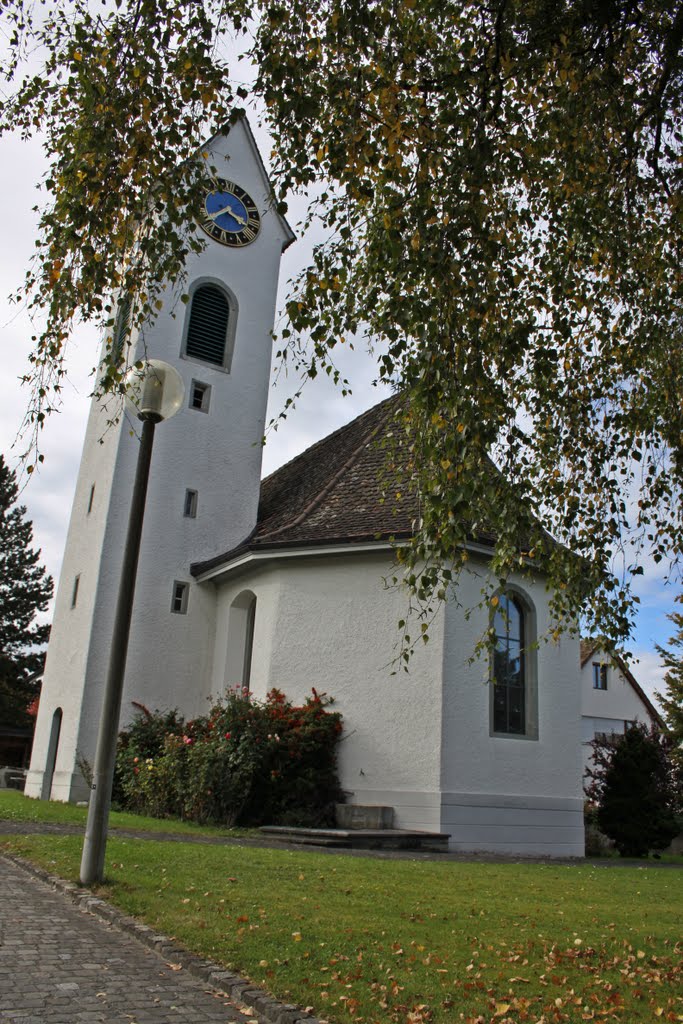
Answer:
(203, 489)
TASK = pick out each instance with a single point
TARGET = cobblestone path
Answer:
(60, 965)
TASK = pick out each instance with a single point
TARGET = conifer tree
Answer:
(672, 699)
(637, 791)
(25, 589)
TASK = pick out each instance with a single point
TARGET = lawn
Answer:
(370, 940)
(14, 806)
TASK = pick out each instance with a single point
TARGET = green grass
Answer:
(14, 806)
(372, 940)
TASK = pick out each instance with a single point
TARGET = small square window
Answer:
(599, 676)
(179, 599)
(190, 507)
(74, 592)
(200, 395)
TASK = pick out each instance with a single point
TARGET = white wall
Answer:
(330, 624)
(217, 454)
(510, 793)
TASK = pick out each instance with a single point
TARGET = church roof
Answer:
(341, 490)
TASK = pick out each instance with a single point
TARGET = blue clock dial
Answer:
(230, 215)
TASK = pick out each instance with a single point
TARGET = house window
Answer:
(199, 396)
(207, 326)
(74, 592)
(179, 599)
(509, 668)
(599, 676)
(190, 507)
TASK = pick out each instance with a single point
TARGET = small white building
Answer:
(282, 583)
(611, 698)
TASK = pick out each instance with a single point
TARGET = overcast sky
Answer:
(49, 493)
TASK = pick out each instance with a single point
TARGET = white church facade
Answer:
(281, 583)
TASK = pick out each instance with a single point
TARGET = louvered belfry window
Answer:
(207, 330)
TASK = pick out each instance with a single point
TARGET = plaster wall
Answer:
(510, 793)
(329, 623)
(216, 453)
(67, 654)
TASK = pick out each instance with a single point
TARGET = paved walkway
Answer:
(61, 965)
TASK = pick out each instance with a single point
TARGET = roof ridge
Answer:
(334, 479)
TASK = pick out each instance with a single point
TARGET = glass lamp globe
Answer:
(154, 391)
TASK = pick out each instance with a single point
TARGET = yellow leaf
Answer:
(501, 1009)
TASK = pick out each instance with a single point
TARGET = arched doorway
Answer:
(51, 758)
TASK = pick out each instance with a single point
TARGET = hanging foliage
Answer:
(499, 188)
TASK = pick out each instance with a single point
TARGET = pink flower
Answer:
(187, 740)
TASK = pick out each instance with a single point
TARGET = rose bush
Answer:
(248, 762)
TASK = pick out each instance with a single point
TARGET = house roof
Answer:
(591, 646)
(341, 490)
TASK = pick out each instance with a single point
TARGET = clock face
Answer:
(230, 215)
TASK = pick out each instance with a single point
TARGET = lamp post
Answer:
(155, 391)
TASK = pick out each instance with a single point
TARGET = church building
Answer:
(283, 582)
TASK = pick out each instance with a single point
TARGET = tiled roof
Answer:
(340, 490)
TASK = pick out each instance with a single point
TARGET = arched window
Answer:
(509, 667)
(208, 326)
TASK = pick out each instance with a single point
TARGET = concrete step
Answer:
(360, 838)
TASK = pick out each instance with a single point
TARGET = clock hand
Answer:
(227, 209)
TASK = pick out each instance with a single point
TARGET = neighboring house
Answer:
(282, 583)
(611, 698)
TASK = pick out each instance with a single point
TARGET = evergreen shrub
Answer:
(636, 790)
(248, 762)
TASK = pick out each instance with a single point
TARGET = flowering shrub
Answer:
(248, 762)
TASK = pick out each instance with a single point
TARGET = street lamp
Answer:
(155, 391)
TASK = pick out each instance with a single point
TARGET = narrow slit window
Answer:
(91, 499)
(200, 395)
(190, 508)
(74, 592)
(179, 599)
(121, 329)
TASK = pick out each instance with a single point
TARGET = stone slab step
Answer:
(357, 838)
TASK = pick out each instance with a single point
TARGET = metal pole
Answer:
(94, 845)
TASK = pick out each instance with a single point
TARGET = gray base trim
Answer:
(503, 823)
